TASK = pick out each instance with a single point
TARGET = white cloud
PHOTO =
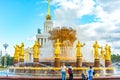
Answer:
(68, 12)
(109, 5)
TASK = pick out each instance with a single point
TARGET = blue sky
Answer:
(20, 19)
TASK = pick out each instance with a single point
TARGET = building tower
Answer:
(48, 25)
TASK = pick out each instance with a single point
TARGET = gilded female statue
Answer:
(57, 48)
(17, 52)
(79, 49)
(108, 52)
(22, 50)
(36, 50)
(96, 47)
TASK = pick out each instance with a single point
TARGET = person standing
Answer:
(63, 71)
(83, 75)
(70, 72)
(90, 73)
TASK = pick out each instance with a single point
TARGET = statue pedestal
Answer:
(107, 63)
(97, 63)
(57, 62)
(79, 62)
(109, 69)
(36, 62)
(21, 62)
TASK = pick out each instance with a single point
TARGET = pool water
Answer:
(6, 73)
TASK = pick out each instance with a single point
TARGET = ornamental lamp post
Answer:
(5, 58)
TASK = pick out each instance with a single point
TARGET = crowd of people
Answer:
(88, 75)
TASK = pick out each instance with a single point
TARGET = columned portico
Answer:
(43, 39)
(48, 26)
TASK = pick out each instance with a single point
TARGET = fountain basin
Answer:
(57, 71)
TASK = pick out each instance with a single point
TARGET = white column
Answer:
(40, 41)
(43, 41)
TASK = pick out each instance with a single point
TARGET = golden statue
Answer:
(22, 51)
(57, 48)
(17, 52)
(102, 53)
(36, 50)
(27, 57)
(79, 49)
(27, 54)
(96, 47)
(108, 52)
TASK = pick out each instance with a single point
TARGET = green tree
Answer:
(115, 58)
(2, 60)
(9, 60)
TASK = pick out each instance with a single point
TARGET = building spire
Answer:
(48, 7)
(48, 17)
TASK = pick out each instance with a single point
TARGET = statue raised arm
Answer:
(79, 49)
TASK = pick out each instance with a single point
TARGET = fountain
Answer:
(62, 53)
(59, 49)
(53, 67)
